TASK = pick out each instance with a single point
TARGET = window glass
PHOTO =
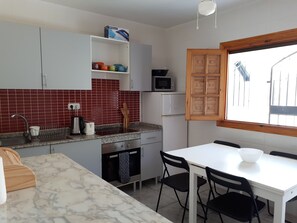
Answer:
(262, 86)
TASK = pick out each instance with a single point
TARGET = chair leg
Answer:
(202, 205)
(185, 208)
(221, 218)
(206, 210)
(179, 199)
(159, 197)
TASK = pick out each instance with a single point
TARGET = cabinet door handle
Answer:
(44, 80)
(142, 152)
(153, 137)
(134, 152)
(131, 84)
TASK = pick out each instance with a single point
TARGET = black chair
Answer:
(227, 143)
(179, 182)
(286, 155)
(238, 203)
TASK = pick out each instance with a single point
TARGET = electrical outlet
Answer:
(73, 106)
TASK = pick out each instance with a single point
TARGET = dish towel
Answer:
(124, 169)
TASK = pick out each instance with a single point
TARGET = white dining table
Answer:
(271, 177)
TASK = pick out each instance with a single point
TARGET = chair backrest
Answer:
(228, 181)
(225, 143)
(175, 161)
(287, 155)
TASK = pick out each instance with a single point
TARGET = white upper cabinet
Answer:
(37, 58)
(110, 52)
(20, 63)
(65, 60)
(136, 57)
(140, 78)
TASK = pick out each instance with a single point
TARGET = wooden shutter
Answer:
(206, 84)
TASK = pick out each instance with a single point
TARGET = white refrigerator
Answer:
(167, 109)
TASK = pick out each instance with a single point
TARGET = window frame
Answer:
(281, 38)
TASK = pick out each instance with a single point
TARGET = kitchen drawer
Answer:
(151, 137)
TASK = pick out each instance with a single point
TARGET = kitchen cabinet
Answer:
(151, 163)
(34, 151)
(20, 64)
(137, 57)
(39, 58)
(65, 60)
(206, 81)
(110, 51)
(140, 77)
(86, 153)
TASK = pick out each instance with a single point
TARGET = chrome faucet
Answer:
(26, 133)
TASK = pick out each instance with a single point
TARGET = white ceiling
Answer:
(160, 13)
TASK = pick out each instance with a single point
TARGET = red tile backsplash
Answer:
(48, 108)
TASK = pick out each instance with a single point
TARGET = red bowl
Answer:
(103, 67)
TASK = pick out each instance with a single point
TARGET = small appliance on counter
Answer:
(77, 125)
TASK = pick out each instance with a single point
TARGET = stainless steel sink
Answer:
(13, 141)
(51, 138)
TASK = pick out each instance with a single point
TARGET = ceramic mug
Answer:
(90, 128)
(34, 130)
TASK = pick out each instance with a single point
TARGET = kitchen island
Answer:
(67, 192)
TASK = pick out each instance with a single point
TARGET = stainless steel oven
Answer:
(110, 161)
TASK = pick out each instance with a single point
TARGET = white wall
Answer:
(37, 12)
(256, 18)
(260, 17)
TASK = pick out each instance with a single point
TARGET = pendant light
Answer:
(206, 8)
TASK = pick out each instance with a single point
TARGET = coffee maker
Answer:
(77, 125)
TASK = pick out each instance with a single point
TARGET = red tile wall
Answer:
(48, 108)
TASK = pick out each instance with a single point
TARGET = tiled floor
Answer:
(169, 206)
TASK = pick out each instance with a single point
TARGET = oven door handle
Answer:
(113, 156)
(116, 155)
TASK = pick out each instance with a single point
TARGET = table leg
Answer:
(279, 211)
(193, 197)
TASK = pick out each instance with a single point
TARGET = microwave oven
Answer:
(163, 83)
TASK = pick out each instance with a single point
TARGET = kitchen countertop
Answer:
(68, 193)
(139, 127)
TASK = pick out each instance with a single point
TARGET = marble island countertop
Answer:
(68, 193)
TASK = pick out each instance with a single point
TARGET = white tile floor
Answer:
(170, 208)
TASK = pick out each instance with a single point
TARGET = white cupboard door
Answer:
(174, 132)
(20, 65)
(66, 60)
(140, 68)
(33, 151)
(173, 103)
(151, 163)
(86, 153)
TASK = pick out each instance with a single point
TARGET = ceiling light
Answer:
(206, 8)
